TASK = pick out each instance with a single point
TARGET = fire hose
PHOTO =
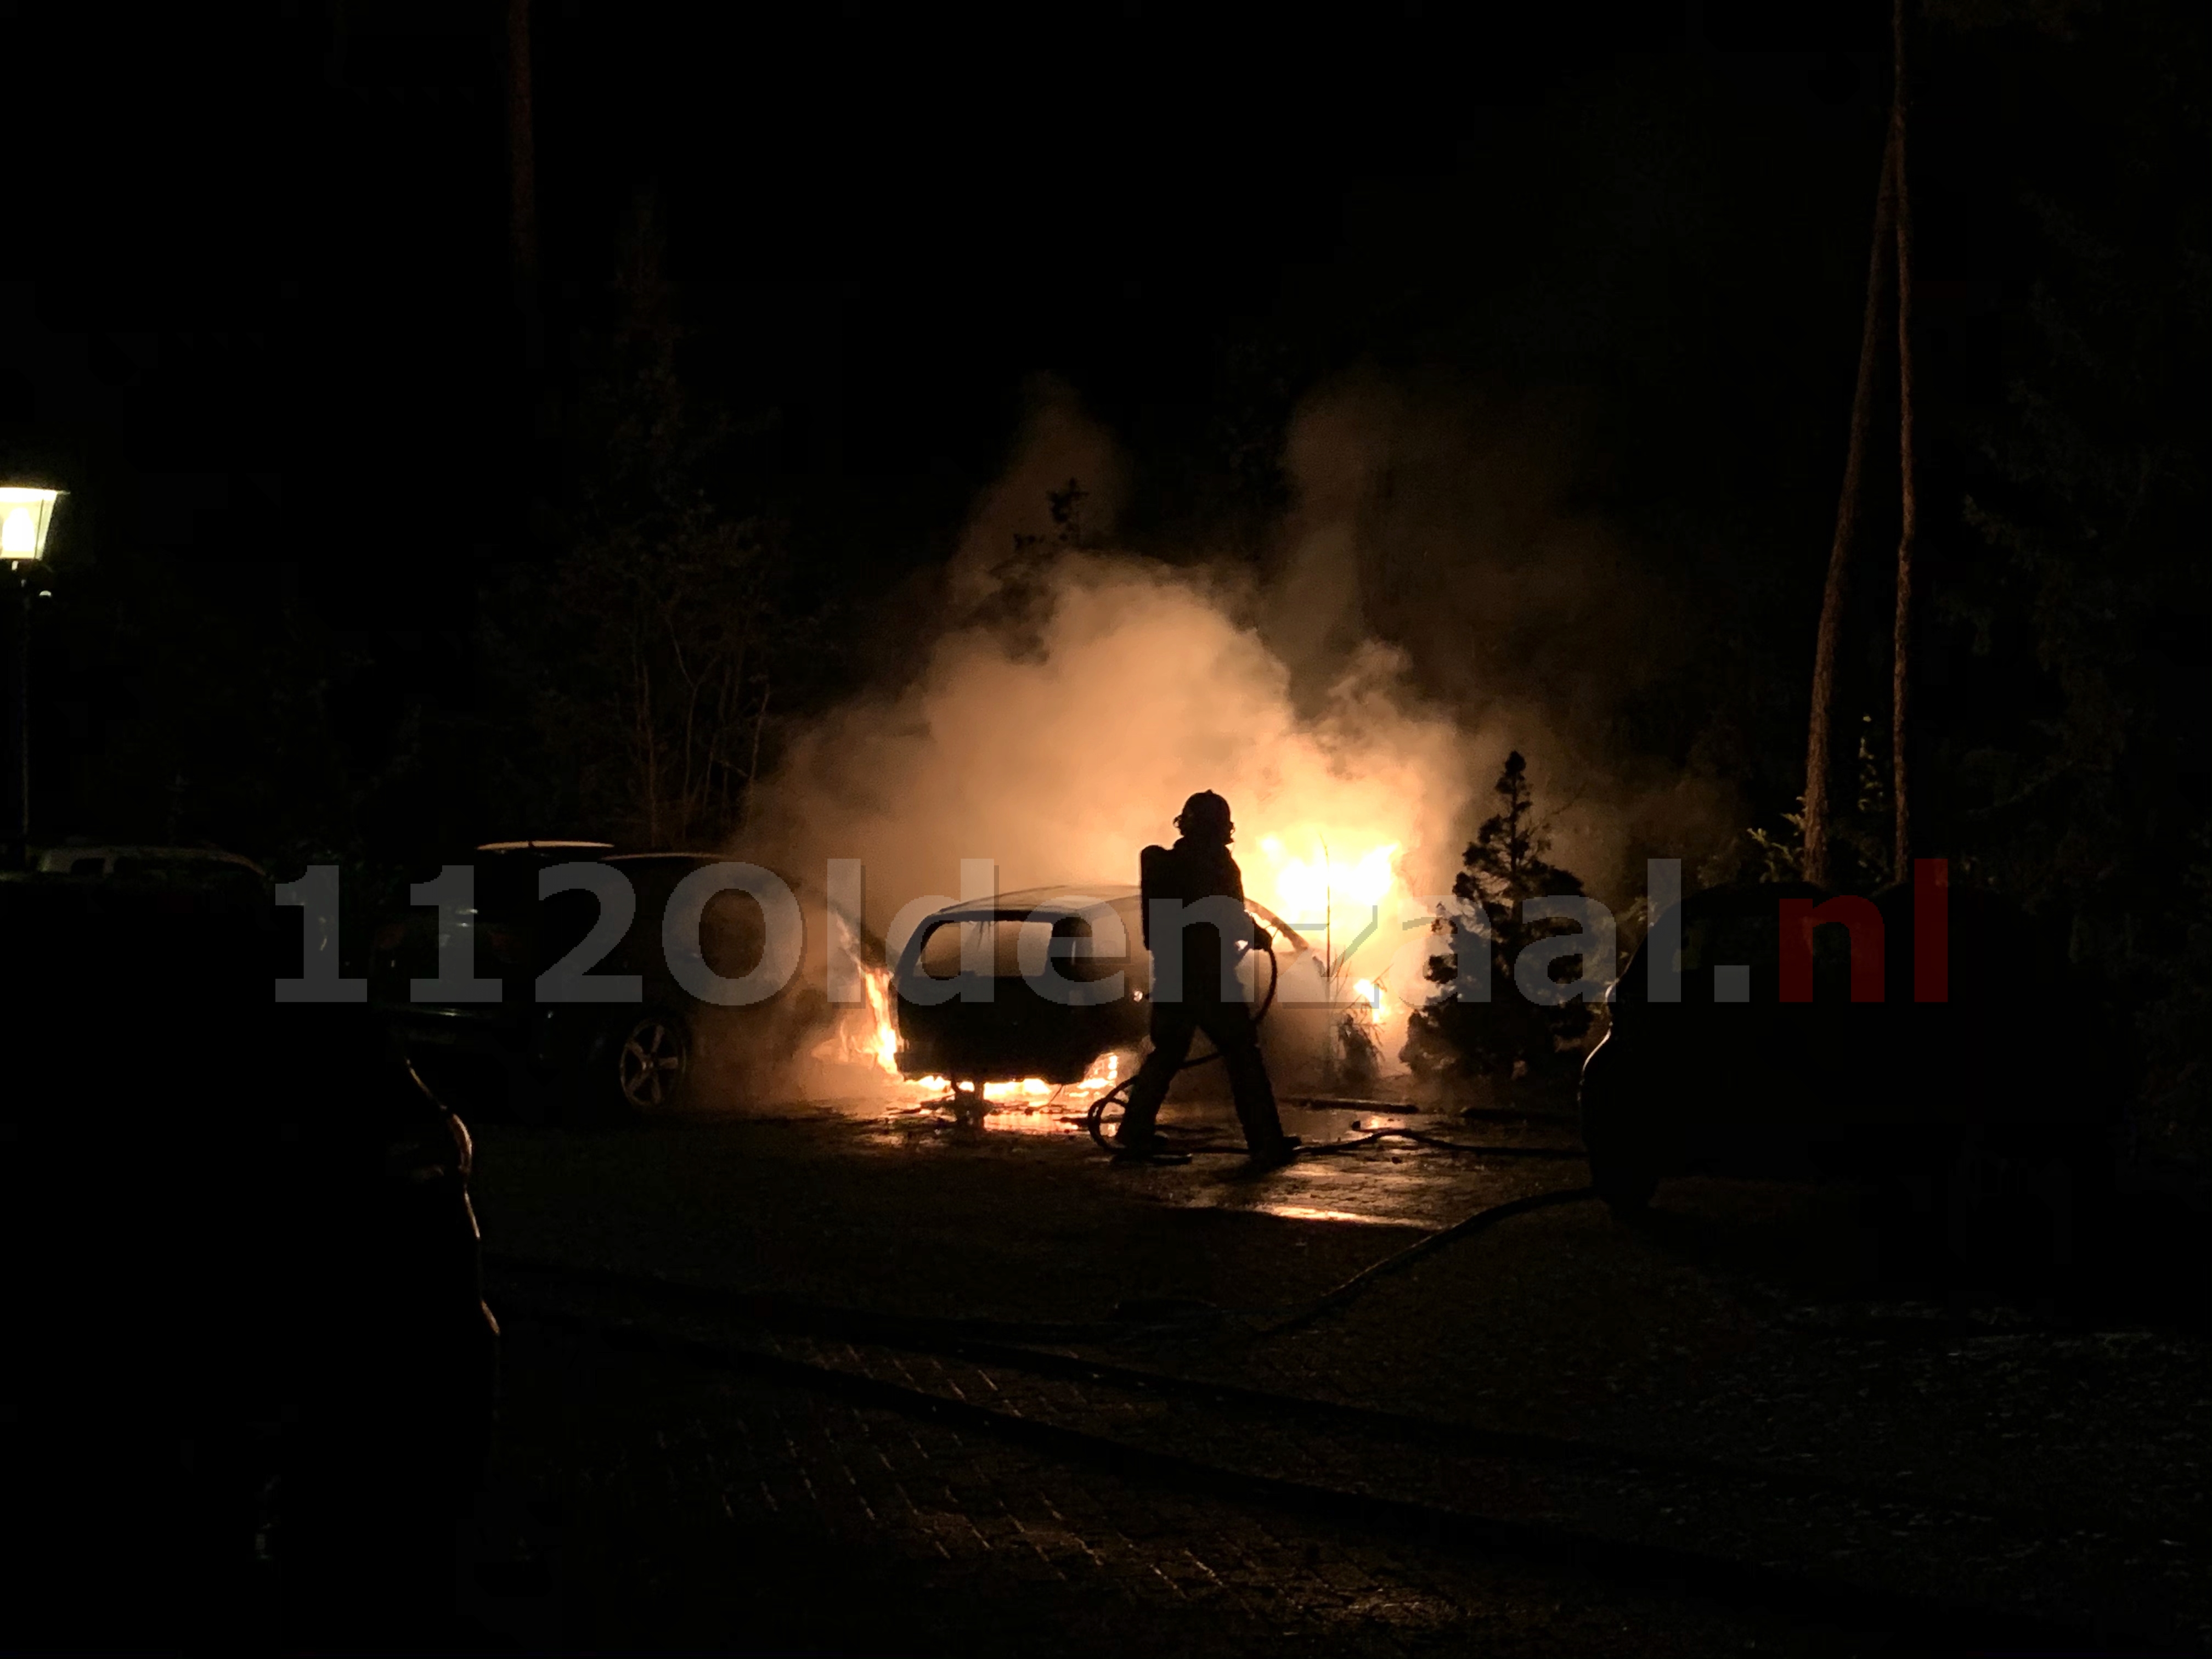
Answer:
(1094, 1121)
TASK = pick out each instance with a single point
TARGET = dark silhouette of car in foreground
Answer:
(1987, 1112)
(1048, 1015)
(574, 1062)
(250, 1374)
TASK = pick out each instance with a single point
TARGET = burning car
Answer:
(1043, 987)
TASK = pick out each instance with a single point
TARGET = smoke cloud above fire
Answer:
(1428, 607)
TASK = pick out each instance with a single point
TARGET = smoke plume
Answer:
(1431, 602)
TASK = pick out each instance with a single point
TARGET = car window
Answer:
(943, 952)
(138, 866)
(1005, 939)
(733, 936)
(233, 881)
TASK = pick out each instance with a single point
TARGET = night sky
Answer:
(268, 329)
(280, 268)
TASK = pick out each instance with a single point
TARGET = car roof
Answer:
(60, 858)
(1092, 894)
(1077, 899)
(546, 847)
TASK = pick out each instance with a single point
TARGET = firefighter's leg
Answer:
(1171, 1033)
(1231, 1027)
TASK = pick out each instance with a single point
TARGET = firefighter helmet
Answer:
(1206, 816)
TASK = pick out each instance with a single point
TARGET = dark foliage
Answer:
(646, 654)
(2076, 608)
(1510, 1035)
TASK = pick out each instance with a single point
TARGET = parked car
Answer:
(200, 865)
(1996, 1097)
(249, 1357)
(1019, 1032)
(576, 1062)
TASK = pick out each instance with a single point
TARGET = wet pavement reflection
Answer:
(1396, 1183)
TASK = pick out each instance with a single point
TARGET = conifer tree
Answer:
(1508, 1037)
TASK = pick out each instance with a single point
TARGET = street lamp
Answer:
(27, 515)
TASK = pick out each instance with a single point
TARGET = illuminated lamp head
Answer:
(1205, 818)
(26, 516)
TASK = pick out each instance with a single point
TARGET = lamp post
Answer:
(27, 515)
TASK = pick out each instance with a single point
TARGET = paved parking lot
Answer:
(2047, 1474)
(667, 1505)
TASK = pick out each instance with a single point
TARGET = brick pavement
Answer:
(679, 1506)
(2108, 1433)
(1852, 1548)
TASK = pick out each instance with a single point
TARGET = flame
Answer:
(866, 1034)
(1337, 897)
(878, 983)
(1105, 1072)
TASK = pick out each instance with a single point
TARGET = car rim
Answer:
(651, 1057)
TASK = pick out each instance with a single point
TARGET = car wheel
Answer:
(651, 1061)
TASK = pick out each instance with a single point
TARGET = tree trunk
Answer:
(521, 149)
(649, 753)
(753, 768)
(1820, 741)
(1900, 681)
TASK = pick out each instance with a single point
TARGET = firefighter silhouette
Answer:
(1195, 891)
